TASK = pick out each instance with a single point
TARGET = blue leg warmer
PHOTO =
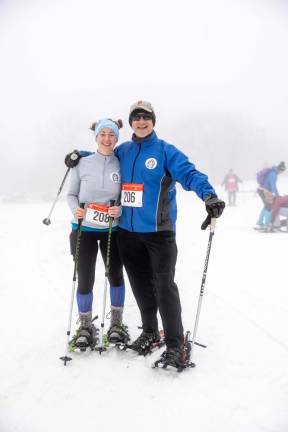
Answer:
(84, 302)
(117, 295)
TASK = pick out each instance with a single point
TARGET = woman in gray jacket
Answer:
(96, 181)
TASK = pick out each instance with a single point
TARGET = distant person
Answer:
(279, 208)
(267, 190)
(230, 182)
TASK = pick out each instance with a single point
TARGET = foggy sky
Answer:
(215, 71)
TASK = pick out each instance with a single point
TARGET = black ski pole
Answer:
(101, 348)
(212, 222)
(65, 358)
(47, 220)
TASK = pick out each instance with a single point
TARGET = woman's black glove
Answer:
(72, 159)
(214, 206)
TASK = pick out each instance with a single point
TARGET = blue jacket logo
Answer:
(151, 163)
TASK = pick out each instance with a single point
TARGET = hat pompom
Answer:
(119, 123)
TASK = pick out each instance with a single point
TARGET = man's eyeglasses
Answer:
(137, 117)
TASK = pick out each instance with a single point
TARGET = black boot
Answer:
(178, 358)
(145, 343)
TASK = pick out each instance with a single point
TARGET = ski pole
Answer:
(65, 358)
(211, 234)
(47, 220)
(71, 160)
(107, 269)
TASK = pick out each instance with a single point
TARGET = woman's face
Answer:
(106, 141)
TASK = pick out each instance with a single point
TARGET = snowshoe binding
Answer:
(178, 358)
(118, 334)
(84, 338)
(87, 335)
(147, 342)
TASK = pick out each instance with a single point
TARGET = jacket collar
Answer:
(147, 140)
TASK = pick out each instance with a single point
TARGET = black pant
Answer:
(87, 258)
(150, 260)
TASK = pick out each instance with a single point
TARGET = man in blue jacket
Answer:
(267, 190)
(270, 180)
(149, 169)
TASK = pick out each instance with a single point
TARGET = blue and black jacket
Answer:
(157, 165)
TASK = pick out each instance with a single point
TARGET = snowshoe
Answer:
(118, 334)
(84, 338)
(147, 342)
(178, 358)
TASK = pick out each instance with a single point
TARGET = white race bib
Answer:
(132, 195)
(97, 214)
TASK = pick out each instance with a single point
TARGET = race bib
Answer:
(132, 195)
(97, 214)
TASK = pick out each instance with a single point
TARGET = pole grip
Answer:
(209, 221)
(82, 206)
(206, 222)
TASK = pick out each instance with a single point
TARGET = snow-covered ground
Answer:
(240, 382)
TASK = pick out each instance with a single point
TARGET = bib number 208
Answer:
(100, 217)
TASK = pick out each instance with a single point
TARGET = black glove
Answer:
(72, 159)
(214, 206)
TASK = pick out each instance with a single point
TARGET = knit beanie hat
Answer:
(109, 124)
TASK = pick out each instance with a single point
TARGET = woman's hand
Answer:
(79, 213)
(114, 211)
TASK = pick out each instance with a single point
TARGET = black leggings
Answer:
(87, 258)
(150, 260)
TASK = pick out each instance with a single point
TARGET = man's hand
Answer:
(214, 206)
(72, 159)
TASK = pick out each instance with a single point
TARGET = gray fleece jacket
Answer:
(96, 179)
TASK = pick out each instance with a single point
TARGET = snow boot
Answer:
(145, 343)
(178, 358)
(272, 228)
(118, 332)
(86, 335)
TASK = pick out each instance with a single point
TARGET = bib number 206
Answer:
(132, 195)
(129, 197)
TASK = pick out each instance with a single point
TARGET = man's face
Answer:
(142, 124)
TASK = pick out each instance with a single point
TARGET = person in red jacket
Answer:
(230, 182)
